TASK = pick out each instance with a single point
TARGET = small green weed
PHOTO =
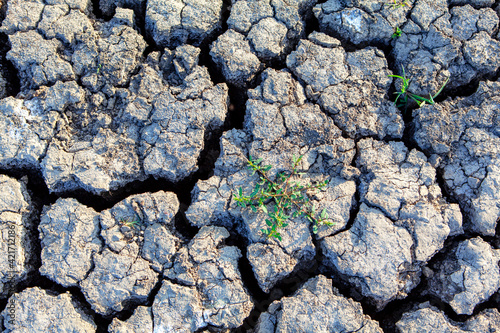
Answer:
(405, 95)
(398, 3)
(131, 222)
(99, 66)
(288, 198)
(397, 33)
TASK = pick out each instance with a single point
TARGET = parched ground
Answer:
(125, 132)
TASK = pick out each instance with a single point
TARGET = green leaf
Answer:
(253, 208)
(417, 98)
(396, 76)
(264, 208)
(284, 225)
(258, 161)
(324, 214)
(269, 223)
(255, 191)
(315, 229)
(440, 89)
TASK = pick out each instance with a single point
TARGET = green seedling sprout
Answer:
(404, 95)
(398, 4)
(288, 198)
(397, 33)
(131, 222)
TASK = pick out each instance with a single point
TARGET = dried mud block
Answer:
(428, 319)
(402, 222)
(170, 149)
(464, 137)
(173, 23)
(259, 33)
(39, 311)
(204, 286)
(69, 233)
(351, 86)
(467, 276)
(21, 15)
(362, 22)
(140, 322)
(16, 230)
(118, 280)
(438, 43)
(38, 60)
(24, 133)
(316, 307)
(114, 256)
(233, 55)
(435, 42)
(96, 107)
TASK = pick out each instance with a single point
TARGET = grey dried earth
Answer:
(126, 127)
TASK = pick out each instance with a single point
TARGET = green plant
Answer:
(99, 66)
(287, 198)
(405, 95)
(131, 222)
(397, 33)
(398, 3)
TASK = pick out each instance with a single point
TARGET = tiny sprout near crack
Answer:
(404, 95)
(131, 222)
(285, 196)
(398, 3)
(397, 32)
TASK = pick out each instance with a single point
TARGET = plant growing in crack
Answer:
(398, 3)
(404, 95)
(131, 222)
(287, 198)
(397, 32)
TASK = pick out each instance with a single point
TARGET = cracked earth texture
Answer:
(125, 128)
